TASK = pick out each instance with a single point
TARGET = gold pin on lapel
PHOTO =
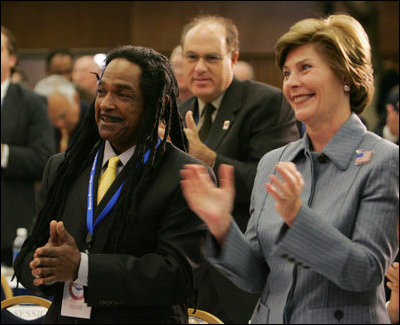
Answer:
(226, 125)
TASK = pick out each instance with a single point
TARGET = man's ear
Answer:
(166, 100)
(235, 58)
(13, 60)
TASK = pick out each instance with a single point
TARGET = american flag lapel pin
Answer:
(226, 125)
(363, 157)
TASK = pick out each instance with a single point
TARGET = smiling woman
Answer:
(322, 231)
(308, 84)
(327, 72)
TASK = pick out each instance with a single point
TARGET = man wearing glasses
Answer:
(232, 122)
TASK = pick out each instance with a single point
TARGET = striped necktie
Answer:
(108, 177)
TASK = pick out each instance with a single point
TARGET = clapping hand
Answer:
(58, 260)
(211, 203)
(286, 190)
(196, 147)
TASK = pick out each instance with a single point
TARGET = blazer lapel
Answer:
(226, 115)
(10, 113)
(83, 188)
(189, 105)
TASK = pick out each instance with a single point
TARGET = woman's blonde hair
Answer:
(343, 42)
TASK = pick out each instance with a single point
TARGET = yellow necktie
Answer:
(107, 178)
(64, 140)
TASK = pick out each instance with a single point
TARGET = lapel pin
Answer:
(363, 157)
(226, 125)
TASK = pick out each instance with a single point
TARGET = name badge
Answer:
(73, 303)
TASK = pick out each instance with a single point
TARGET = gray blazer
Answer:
(253, 119)
(329, 266)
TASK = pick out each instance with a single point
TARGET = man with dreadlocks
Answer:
(133, 256)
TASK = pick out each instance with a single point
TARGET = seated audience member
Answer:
(19, 76)
(229, 121)
(386, 79)
(388, 126)
(176, 60)
(322, 232)
(60, 61)
(122, 257)
(65, 109)
(392, 288)
(244, 71)
(26, 143)
(84, 77)
(393, 284)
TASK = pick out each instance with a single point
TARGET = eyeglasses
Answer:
(211, 58)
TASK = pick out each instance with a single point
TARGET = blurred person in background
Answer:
(65, 109)
(60, 61)
(388, 126)
(176, 60)
(392, 288)
(19, 76)
(244, 70)
(84, 77)
(27, 142)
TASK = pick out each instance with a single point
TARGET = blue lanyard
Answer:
(106, 210)
(110, 204)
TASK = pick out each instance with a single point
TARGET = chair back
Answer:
(204, 317)
(25, 299)
(24, 309)
(5, 287)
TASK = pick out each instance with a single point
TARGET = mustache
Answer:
(111, 117)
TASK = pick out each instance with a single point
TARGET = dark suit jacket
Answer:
(150, 279)
(26, 128)
(260, 119)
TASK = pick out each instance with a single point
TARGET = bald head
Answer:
(63, 101)
(82, 74)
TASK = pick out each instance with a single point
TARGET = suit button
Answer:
(338, 314)
(306, 267)
(284, 255)
(291, 259)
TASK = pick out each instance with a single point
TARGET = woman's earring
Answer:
(346, 88)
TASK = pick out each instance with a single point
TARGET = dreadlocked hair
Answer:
(160, 93)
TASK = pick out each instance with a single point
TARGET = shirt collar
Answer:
(123, 157)
(216, 103)
(4, 88)
(341, 149)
